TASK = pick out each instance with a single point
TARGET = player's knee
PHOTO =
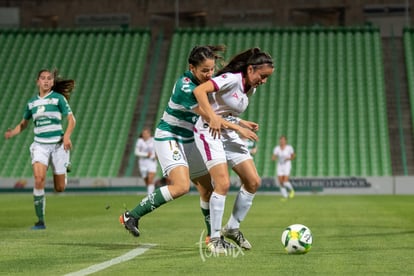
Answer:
(39, 181)
(253, 184)
(60, 182)
(222, 187)
(59, 188)
(180, 189)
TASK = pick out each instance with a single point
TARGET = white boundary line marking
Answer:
(123, 258)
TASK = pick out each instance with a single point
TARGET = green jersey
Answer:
(47, 113)
(178, 119)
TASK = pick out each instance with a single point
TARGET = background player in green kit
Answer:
(174, 142)
(51, 144)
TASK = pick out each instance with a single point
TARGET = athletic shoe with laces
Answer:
(227, 244)
(217, 246)
(40, 225)
(130, 223)
(237, 236)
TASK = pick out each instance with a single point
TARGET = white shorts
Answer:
(283, 169)
(147, 165)
(50, 154)
(172, 154)
(230, 148)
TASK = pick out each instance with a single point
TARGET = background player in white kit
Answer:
(147, 160)
(284, 154)
(51, 144)
(227, 96)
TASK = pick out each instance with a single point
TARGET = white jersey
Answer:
(284, 166)
(229, 101)
(230, 98)
(283, 154)
(145, 149)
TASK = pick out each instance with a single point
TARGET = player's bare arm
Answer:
(215, 122)
(249, 124)
(67, 143)
(15, 131)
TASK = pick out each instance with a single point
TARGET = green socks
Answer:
(206, 214)
(152, 202)
(39, 205)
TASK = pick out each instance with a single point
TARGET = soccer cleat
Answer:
(40, 225)
(130, 223)
(227, 244)
(237, 236)
(217, 246)
(292, 193)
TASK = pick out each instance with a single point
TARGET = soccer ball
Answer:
(297, 239)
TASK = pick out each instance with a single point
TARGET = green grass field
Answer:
(361, 235)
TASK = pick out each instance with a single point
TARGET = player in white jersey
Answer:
(51, 144)
(227, 96)
(284, 154)
(174, 142)
(147, 161)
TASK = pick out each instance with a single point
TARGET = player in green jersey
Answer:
(51, 144)
(174, 142)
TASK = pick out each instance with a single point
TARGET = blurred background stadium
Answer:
(342, 92)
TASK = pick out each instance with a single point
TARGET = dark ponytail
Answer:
(60, 85)
(240, 62)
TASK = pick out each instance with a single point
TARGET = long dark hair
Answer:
(60, 85)
(200, 53)
(240, 62)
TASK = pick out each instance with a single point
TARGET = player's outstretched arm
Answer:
(249, 124)
(19, 128)
(243, 132)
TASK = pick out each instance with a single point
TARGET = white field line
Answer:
(123, 258)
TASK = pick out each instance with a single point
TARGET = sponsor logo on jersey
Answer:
(40, 109)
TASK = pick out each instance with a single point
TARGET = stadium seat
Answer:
(107, 66)
(326, 95)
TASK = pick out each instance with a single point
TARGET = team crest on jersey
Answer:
(40, 109)
(176, 155)
(186, 80)
(224, 76)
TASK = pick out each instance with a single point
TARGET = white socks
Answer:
(38, 192)
(288, 185)
(244, 201)
(150, 188)
(204, 205)
(217, 203)
(283, 191)
(166, 193)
